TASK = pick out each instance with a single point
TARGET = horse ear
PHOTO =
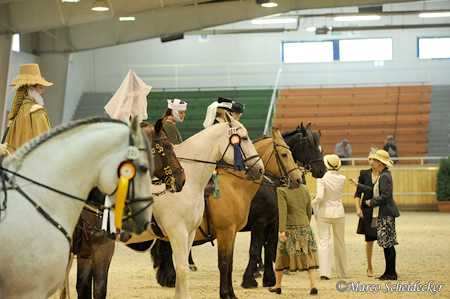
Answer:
(308, 127)
(135, 130)
(319, 134)
(276, 133)
(228, 118)
(158, 125)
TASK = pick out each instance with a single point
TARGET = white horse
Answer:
(179, 214)
(45, 184)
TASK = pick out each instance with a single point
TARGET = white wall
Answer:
(79, 80)
(253, 60)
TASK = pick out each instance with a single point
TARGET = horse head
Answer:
(306, 149)
(167, 167)
(128, 172)
(287, 169)
(237, 137)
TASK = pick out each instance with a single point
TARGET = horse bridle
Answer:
(285, 177)
(11, 181)
(221, 163)
(168, 179)
(306, 166)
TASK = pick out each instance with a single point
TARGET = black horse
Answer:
(263, 215)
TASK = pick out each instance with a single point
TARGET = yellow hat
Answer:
(383, 157)
(29, 74)
(332, 162)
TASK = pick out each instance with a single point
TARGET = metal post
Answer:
(272, 101)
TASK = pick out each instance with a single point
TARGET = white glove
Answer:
(3, 149)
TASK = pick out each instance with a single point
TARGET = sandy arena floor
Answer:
(423, 255)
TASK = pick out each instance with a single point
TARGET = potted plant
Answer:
(443, 186)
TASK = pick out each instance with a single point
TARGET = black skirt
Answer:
(364, 225)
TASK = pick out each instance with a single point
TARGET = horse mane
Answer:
(260, 138)
(291, 133)
(35, 142)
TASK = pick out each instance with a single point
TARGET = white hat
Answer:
(130, 99)
(332, 162)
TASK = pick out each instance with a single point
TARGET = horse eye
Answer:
(143, 169)
(168, 147)
(284, 155)
(245, 138)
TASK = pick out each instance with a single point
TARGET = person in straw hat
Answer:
(367, 177)
(331, 213)
(28, 117)
(384, 211)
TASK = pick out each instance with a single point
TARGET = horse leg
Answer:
(256, 243)
(84, 277)
(192, 265)
(270, 252)
(225, 247)
(101, 259)
(162, 261)
(181, 244)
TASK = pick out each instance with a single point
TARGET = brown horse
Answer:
(95, 248)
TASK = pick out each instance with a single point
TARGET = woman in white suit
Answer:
(331, 213)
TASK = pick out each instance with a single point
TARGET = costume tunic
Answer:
(30, 122)
(172, 132)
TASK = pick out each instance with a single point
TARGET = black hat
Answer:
(238, 107)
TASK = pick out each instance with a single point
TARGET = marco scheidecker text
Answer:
(389, 286)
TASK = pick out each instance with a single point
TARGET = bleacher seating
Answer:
(363, 116)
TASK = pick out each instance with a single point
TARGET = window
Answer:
(434, 47)
(321, 51)
(16, 43)
(365, 49)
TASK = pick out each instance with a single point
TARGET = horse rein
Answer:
(11, 181)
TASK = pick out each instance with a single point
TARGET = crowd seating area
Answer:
(363, 116)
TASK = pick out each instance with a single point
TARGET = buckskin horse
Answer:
(94, 247)
(45, 197)
(263, 216)
(180, 214)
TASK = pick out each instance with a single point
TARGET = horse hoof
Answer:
(249, 284)
(193, 268)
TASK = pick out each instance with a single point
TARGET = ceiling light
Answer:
(274, 21)
(311, 29)
(435, 14)
(100, 5)
(70, 0)
(269, 4)
(127, 19)
(357, 18)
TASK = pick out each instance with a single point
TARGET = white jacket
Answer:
(329, 191)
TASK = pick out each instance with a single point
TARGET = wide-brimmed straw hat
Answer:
(29, 74)
(383, 157)
(332, 162)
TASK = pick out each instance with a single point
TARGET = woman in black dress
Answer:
(366, 177)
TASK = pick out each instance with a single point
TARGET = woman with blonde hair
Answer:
(384, 211)
(28, 117)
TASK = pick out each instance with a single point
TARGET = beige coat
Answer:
(30, 122)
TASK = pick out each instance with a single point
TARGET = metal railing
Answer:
(421, 160)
